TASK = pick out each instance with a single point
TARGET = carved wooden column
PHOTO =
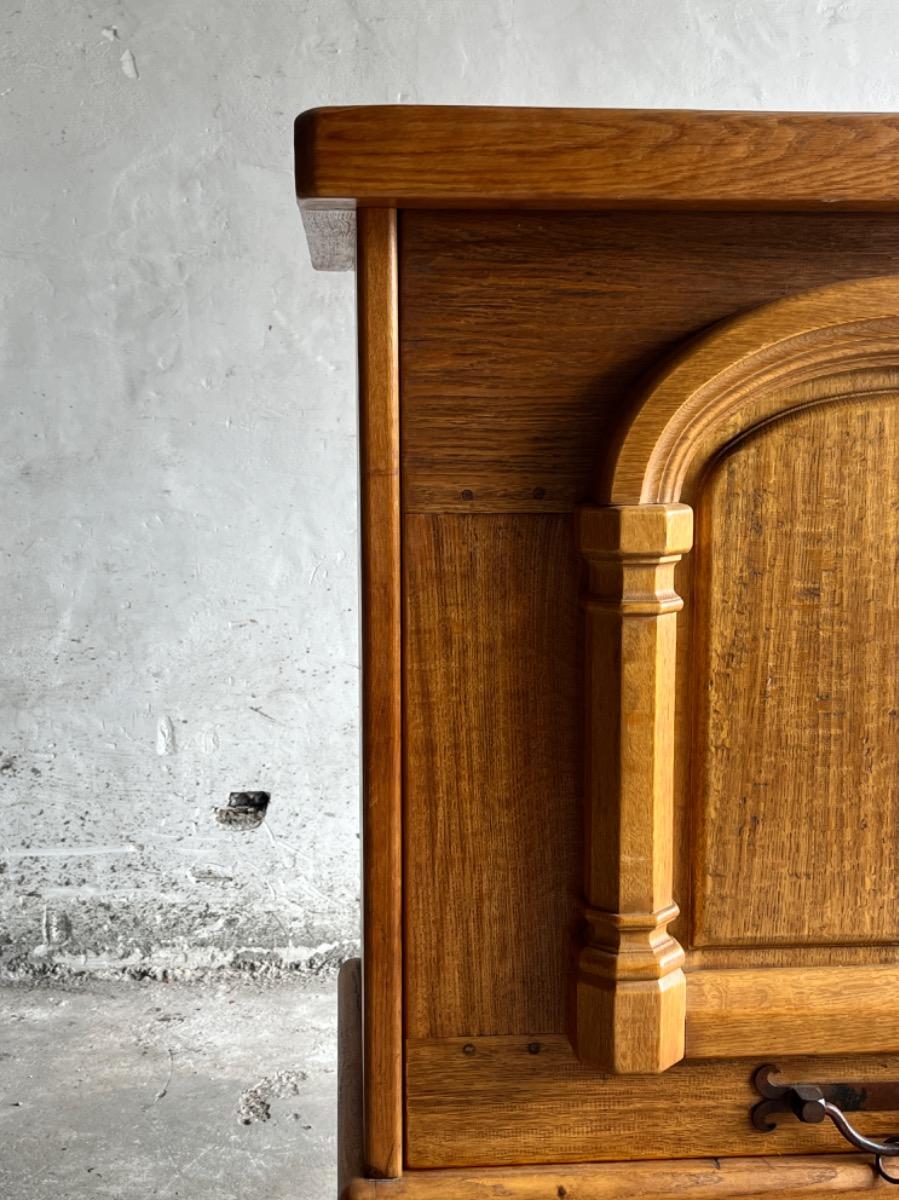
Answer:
(629, 991)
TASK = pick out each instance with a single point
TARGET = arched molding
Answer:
(805, 349)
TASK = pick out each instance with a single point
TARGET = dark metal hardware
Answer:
(811, 1103)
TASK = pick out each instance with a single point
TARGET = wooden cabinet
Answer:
(629, 435)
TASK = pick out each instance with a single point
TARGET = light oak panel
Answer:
(795, 747)
(498, 1102)
(492, 771)
(768, 1012)
(524, 337)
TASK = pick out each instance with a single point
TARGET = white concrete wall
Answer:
(178, 518)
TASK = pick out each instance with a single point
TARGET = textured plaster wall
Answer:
(177, 464)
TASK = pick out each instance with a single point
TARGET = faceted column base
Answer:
(630, 1027)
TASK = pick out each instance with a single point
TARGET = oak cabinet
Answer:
(629, 435)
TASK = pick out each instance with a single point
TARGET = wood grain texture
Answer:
(769, 1012)
(724, 958)
(750, 369)
(525, 336)
(407, 155)
(794, 614)
(797, 725)
(493, 771)
(689, 1179)
(499, 1103)
(522, 338)
(629, 989)
(381, 649)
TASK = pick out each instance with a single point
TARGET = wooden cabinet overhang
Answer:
(603, 338)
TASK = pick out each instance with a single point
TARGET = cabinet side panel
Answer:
(493, 774)
(381, 639)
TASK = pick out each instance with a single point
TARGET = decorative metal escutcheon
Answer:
(811, 1103)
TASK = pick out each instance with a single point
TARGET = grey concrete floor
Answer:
(130, 1090)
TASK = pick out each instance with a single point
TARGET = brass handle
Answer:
(810, 1103)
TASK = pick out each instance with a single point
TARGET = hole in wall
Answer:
(244, 810)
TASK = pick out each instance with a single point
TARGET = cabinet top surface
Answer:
(459, 157)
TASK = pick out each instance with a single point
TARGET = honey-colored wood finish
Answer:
(629, 989)
(874, 343)
(492, 405)
(493, 648)
(381, 646)
(690, 1179)
(791, 354)
(659, 1180)
(792, 549)
(794, 749)
(765, 1012)
(736, 1012)
(526, 337)
(407, 156)
(541, 360)
(531, 1100)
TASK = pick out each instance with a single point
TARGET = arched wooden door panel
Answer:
(742, 799)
